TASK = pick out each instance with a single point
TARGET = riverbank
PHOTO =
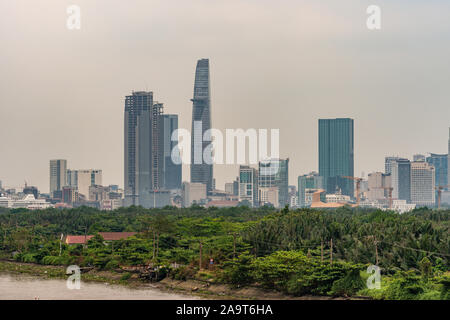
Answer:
(200, 289)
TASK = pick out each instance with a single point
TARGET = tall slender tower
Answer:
(201, 171)
(143, 149)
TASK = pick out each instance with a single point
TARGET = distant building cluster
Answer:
(153, 180)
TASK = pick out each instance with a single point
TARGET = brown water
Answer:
(20, 287)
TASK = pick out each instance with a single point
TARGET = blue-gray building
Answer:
(172, 170)
(336, 154)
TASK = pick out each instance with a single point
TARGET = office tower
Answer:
(172, 170)
(401, 179)
(388, 163)
(336, 154)
(58, 178)
(268, 177)
(201, 171)
(83, 179)
(418, 158)
(378, 183)
(248, 185)
(193, 193)
(143, 144)
(308, 183)
(422, 184)
(440, 164)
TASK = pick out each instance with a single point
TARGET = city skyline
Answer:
(53, 107)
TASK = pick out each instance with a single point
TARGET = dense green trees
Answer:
(284, 250)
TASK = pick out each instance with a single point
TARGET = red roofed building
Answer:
(77, 239)
(107, 236)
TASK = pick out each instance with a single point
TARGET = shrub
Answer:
(125, 276)
(348, 285)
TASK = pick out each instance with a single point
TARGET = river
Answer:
(21, 287)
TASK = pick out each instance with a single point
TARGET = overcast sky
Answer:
(274, 64)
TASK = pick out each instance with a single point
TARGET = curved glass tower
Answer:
(201, 171)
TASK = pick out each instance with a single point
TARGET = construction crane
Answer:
(390, 189)
(439, 191)
(358, 186)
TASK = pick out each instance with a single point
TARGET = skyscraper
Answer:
(401, 179)
(58, 178)
(143, 149)
(248, 185)
(172, 171)
(279, 179)
(388, 164)
(440, 164)
(336, 154)
(201, 171)
(422, 184)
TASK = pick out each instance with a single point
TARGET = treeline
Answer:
(390, 240)
(299, 252)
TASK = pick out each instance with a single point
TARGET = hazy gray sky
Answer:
(274, 64)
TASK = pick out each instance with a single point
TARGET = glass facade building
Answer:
(201, 171)
(336, 154)
(275, 178)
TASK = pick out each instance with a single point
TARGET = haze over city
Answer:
(278, 65)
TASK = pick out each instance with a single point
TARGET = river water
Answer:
(20, 287)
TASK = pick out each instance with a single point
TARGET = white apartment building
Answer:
(422, 184)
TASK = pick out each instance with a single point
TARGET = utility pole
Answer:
(60, 244)
(234, 245)
(321, 251)
(331, 251)
(376, 250)
(200, 261)
(154, 244)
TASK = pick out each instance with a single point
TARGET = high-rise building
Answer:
(401, 179)
(440, 164)
(422, 184)
(201, 170)
(275, 173)
(308, 183)
(144, 161)
(83, 179)
(248, 185)
(336, 154)
(388, 164)
(172, 170)
(378, 183)
(58, 178)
